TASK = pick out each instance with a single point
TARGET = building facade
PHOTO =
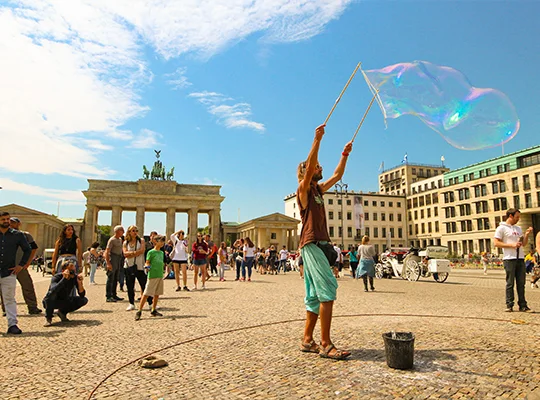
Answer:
(398, 180)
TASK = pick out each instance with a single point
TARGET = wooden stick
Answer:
(343, 91)
(365, 114)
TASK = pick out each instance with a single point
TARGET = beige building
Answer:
(398, 180)
(44, 228)
(274, 229)
(384, 218)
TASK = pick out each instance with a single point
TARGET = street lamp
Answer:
(340, 190)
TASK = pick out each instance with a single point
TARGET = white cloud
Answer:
(74, 67)
(232, 116)
(146, 139)
(178, 79)
(60, 195)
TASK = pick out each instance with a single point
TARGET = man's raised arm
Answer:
(340, 169)
(310, 165)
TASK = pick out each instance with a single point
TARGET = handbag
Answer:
(329, 252)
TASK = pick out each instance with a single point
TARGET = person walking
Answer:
(94, 259)
(154, 286)
(180, 258)
(485, 261)
(283, 255)
(113, 257)
(536, 270)
(320, 283)
(200, 252)
(238, 257)
(353, 261)
(249, 257)
(510, 238)
(366, 268)
(212, 256)
(134, 249)
(23, 277)
(67, 246)
(222, 255)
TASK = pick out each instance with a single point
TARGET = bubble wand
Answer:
(365, 114)
(341, 94)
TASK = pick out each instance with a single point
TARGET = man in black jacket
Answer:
(60, 292)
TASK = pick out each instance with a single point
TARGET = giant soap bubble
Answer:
(467, 117)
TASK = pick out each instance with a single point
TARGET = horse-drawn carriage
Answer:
(411, 265)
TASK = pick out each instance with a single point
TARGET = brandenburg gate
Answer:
(156, 194)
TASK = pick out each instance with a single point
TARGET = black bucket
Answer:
(399, 348)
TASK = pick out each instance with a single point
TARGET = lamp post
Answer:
(341, 192)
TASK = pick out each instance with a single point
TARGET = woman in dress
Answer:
(67, 246)
(180, 258)
(366, 268)
(200, 251)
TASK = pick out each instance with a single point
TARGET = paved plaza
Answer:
(240, 341)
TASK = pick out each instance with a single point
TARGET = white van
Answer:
(47, 261)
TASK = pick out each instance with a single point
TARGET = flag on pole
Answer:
(404, 161)
(381, 167)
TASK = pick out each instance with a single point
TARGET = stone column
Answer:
(214, 218)
(116, 218)
(193, 216)
(170, 221)
(89, 227)
(40, 238)
(283, 237)
(45, 236)
(139, 219)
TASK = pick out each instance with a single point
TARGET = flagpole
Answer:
(341, 94)
(364, 117)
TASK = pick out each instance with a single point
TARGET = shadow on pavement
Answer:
(47, 333)
(79, 322)
(93, 311)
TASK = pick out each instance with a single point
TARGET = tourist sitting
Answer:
(60, 294)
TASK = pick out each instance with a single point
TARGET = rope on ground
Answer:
(287, 322)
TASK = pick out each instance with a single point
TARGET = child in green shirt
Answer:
(154, 285)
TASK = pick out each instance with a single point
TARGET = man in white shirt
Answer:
(339, 261)
(510, 238)
(283, 254)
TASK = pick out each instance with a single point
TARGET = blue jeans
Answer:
(93, 267)
(248, 262)
(283, 264)
(515, 271)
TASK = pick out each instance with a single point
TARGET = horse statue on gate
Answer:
(146, 173)
(170, 174)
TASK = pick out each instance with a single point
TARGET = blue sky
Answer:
(231, 91)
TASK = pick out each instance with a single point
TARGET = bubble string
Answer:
(341, 94)
(375, 95)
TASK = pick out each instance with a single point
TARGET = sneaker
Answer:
(203, 287)
(372, 289)
(34, 311)
(509, 309)
(155, 313)
(221, 279)
(525, 309)
(118, 298)
(532, 286)
(536, 285)
(366, 290)
(111, 300)
(138, 315)
(249, 279)
(178, 289)
(131, 307)
(236, 279)
(186, 289)
(194, 288)
(14, 330)
(242, 279)
(48, 322)
(63, 317)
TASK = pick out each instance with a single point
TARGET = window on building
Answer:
(294, 215)
(428, 199)
(293, 205)
(526, 182)
(436, 211)
(366, 216)
(383, 216)
(273, 235)
(480, 222)
(422, 214)
(339, 215)
(330, 202)
(429, 227)
(383, 232)
(484, 190)
(529, 160)
(349, 216)
(504, 203)
(537, 180)
(477, 191)
(374, 203)
(399, 217)
(391, 217)
(339, 202)
(400, 233)
(499, 169)
(494, 187)
(429, 212)
(436, 226)
(516, 202)
(506, 167)
(382, 203)
(349, 231)
(423, 228)
(390, 204)
(348, 202)
(414, 171)
(415, 202)
(374, 216)
(538, 198)
(330, 215)
(415, 214)
(488, 172)
(416, 229)
(515, 185)
(435, 198)
(375, 232)
(340, 231)
(391, 232)
(528, 200)
(410, 230)
(399, 204)
(366, 230)
(421, 201)
(366, 203)
(482, 173)
(502, 186)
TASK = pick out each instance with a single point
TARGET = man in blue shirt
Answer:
(10, 241)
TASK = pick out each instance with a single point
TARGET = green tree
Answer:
(204, 231)
(103, 234)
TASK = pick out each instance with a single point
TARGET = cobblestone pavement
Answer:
(466, 346)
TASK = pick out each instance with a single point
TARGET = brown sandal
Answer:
(324, 352)
(312, 347)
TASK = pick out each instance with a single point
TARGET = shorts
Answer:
(321, 284)
(199, 262)
(154, 287)
(179, 261)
